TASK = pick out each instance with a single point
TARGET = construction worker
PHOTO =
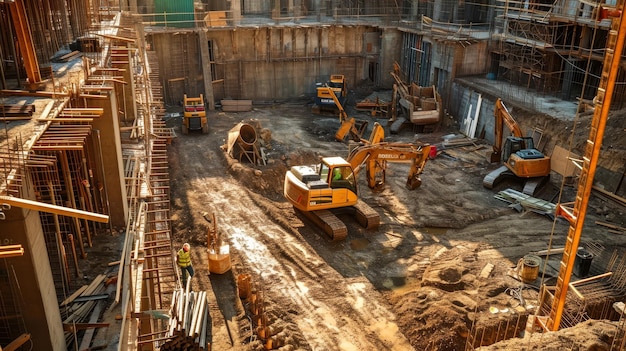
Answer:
(337, 174)
(183, 259)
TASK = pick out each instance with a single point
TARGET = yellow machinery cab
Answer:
(331, 184)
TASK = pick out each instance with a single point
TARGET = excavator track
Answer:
(531, 185)
(325, 219)
(366, 216)
(335, 228)
(494, 177)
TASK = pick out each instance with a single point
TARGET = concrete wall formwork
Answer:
(179, 61)
(472, 59)
(269, 63)
(286, 62)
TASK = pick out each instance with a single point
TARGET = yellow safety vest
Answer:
(184, 258)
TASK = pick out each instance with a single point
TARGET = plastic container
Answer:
(582, 264)
(219, 263)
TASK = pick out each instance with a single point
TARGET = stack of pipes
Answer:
(190, 322)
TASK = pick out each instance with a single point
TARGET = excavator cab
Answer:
(517, 144)
(338, 176)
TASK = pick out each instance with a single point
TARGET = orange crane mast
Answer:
(576, 214)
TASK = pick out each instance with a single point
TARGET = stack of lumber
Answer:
(16, 111)
(458, 141)
(527, 202)
(190, 322)
(236, 105)
(82, 310)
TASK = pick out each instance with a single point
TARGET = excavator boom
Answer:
(502, 116)
(375, 157)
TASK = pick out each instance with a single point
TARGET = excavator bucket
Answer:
(351, 127)
(413, 183)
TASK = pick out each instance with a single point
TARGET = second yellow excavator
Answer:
(321, 191)
(519, 156)
(349, 125)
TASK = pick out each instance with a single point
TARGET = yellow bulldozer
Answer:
(194, 115)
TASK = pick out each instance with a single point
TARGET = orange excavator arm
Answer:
(348, 125)
(376, 156)
(502, 116)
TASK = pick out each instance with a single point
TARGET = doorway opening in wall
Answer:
(441, 83)
(372, 70)
(216, 71)
(494, 66)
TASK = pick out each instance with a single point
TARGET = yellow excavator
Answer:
(321, 191)
(349, 125)
(519, 156)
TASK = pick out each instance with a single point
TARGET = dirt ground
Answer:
(441, 261)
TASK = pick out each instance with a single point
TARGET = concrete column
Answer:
(235, 9)
(107, 133)
(390, 45)
(130, 108)
(318, 9)
(206, 70)
(437, 10)
(414, 10)
(37, 299)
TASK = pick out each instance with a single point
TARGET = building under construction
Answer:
(85, 84)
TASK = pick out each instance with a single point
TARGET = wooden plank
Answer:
(85, 298)
(93, 318)
(83, 326)
(17, 343)
(65, 211)
(83, 110)
(74, 295)
(108, 36)
(587, 280)
(552, 251)
(47, 94)
(561, 162)
(610, 225)
(610, 195)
